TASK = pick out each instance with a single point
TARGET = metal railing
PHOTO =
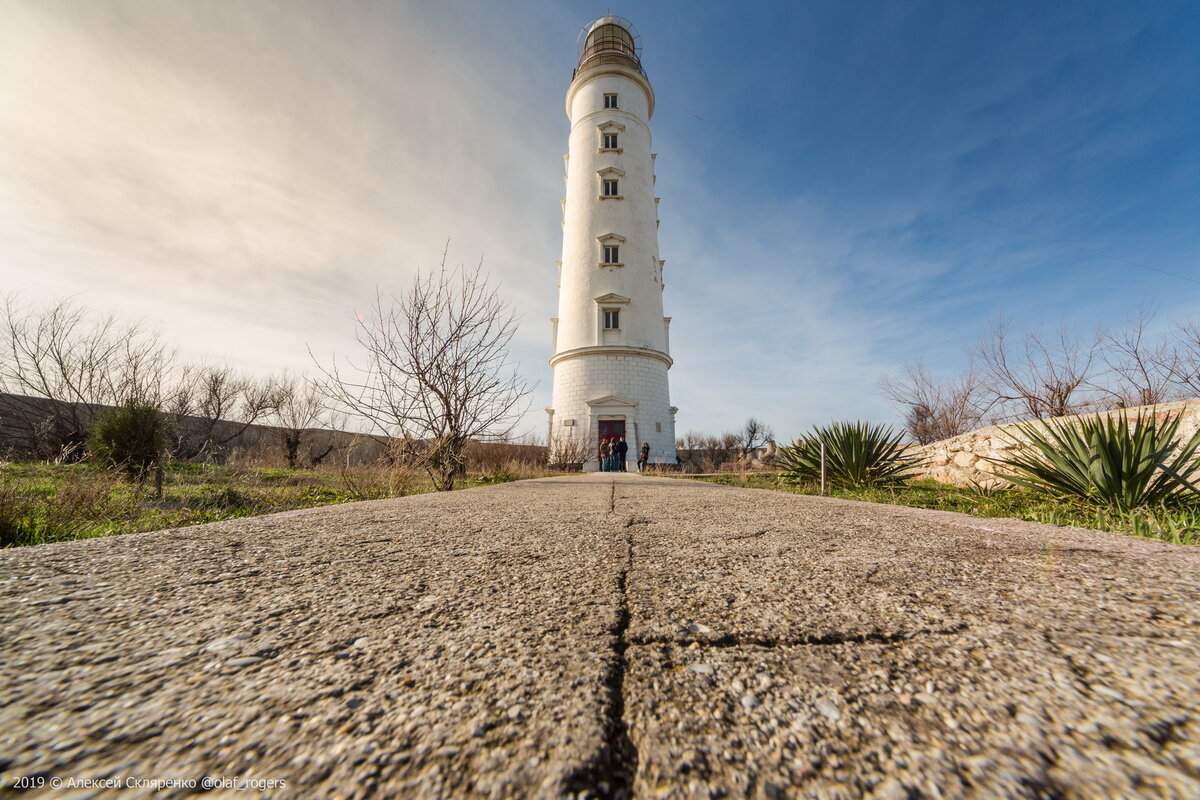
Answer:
(608, 50)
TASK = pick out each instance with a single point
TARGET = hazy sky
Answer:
(836, 177)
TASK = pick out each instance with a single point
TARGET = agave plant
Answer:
(1107, 462)
(857, 454)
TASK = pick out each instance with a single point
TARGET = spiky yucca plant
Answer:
(857, 454)
(1107, 462)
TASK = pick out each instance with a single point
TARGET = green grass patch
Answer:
(1178, 525)
(43, 502)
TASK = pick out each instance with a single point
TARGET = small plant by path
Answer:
(852, 454)
(1112, 463)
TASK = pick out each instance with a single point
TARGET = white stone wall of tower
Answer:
(590, 365)
(633, 217)
(578, 380)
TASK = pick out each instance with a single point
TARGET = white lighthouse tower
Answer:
(610, 339)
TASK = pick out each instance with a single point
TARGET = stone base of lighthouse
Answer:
(622, 390)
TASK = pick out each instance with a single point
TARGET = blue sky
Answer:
(840, 181)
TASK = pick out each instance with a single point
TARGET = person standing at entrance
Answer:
(604, 453)
(622, 449)
(644, 457)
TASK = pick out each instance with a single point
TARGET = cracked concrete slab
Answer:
(609, 636)
(992, 712)
(761, 566)
(432, 646)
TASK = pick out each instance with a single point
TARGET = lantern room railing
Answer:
(609, 43)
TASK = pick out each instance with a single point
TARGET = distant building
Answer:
(610, 339)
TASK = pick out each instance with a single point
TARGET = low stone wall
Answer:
(962, 460)
(21, 416)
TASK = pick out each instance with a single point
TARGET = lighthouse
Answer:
(610, 341)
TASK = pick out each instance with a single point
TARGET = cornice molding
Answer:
(611, 69)
(611, 350)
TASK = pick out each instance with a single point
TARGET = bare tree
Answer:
(936, 410)
(1140, 371)
(571, 448)
(706, 453)
(298, 407)
(64, 362)
(753, 435)
(219, 404)
(1041, 376)
(435, 369)
(1185, 366)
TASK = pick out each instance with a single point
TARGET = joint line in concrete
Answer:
(808, 640)
(611, 774)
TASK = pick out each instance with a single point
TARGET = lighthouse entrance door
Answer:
(612, 428)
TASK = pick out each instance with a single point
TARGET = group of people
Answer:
(613, 451)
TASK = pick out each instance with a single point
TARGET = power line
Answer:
(1077, 247)
(976, 217)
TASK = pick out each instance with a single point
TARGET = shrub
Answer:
(857, 454)
(131, 437)
(1107, 462)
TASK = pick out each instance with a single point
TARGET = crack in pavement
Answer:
(771, 642)
(763, 532)
(612, 770)
(610, 774)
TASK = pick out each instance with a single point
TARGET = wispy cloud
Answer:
(245, 175)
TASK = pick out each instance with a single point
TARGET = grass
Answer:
(43, 502)
(1175, 525)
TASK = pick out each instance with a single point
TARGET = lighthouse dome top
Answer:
(609, 40)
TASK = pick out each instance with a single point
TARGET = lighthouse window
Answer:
(610, 189)
(609, 141)
(610, 101)
(612, 320)
(612, 254)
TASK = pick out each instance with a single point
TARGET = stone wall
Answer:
(21, 416)
(962, 460)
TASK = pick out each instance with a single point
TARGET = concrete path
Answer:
(604, 636)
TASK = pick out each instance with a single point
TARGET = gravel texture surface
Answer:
(603, 636)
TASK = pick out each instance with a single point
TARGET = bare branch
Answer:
(706, 453)
(1185, 366)
(77, 362)
(936, 410)
(1140, 371)
(297, 406)
(1042, 376)
(435, 368)
(753, 435)
(570, 448)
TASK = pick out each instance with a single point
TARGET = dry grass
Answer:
(42, 502)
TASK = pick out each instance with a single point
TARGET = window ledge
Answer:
(602, 264)
(612, 197)
(612, 150)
